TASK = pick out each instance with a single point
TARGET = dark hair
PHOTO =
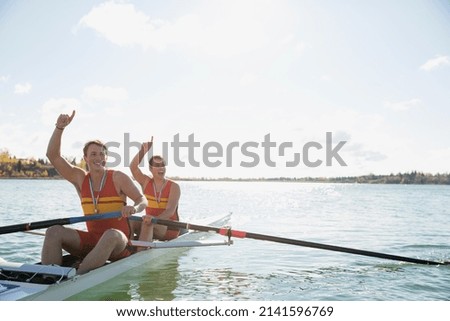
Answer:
(156, 157)
(94, 142)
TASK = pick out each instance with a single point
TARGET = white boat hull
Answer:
(14, 291)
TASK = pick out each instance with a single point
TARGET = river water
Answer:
(406, 220)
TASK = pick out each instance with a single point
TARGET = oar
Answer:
(59, 221)
(242, 234)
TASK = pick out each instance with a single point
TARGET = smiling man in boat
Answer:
(101, 190)
(162, 195)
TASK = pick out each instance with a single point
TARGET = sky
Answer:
(232, 88)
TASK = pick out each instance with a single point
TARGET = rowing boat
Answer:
(54, 283)
(18, 281)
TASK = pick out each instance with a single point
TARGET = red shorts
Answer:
(88, 240)
(171, 234)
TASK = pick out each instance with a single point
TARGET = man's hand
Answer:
(128, 210)
(147, 145)
(64, 120)
(147, 219)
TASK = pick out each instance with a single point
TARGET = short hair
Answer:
(156, 157)
(94, 142)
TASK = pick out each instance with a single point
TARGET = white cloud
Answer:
(99, 93)
(22, 89)
(288, 39)
(360, 151)
(53, 107)
(212, 34)
(435, 63)
(120, 23)
(436, 160)
(247, 79)
(22, 141)
(301, 47)
(114, 111)
(124, 25)
(403, 105)
(4, 79)
(12, 131)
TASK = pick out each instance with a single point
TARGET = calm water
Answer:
(411, 221)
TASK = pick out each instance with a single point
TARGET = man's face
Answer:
(95, 157)
(158, 168)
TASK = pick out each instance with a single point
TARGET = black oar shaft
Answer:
(32, 226)
(263, 237)
(339, 249)
(59, 221)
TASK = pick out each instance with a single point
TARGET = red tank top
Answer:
(157, 202)
(107, 201)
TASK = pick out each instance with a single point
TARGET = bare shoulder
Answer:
(174, 186)
(125, 186)
(121, 178)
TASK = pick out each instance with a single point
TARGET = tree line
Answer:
(13, 167)
(413, 177)
(400, 178)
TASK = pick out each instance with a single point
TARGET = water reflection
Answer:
(215, 284)
(155, 285)
(155, 281)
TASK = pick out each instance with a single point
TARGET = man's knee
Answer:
(55, 232)
(114, 236)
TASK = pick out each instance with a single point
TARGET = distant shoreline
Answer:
(379, 179)
(413, 178)
(32, 178)
(15, 168)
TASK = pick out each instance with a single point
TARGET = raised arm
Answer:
(72, 173)
(138, 175)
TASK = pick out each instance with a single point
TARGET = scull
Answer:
(55, 283)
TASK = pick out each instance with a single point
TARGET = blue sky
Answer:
(373, 73)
